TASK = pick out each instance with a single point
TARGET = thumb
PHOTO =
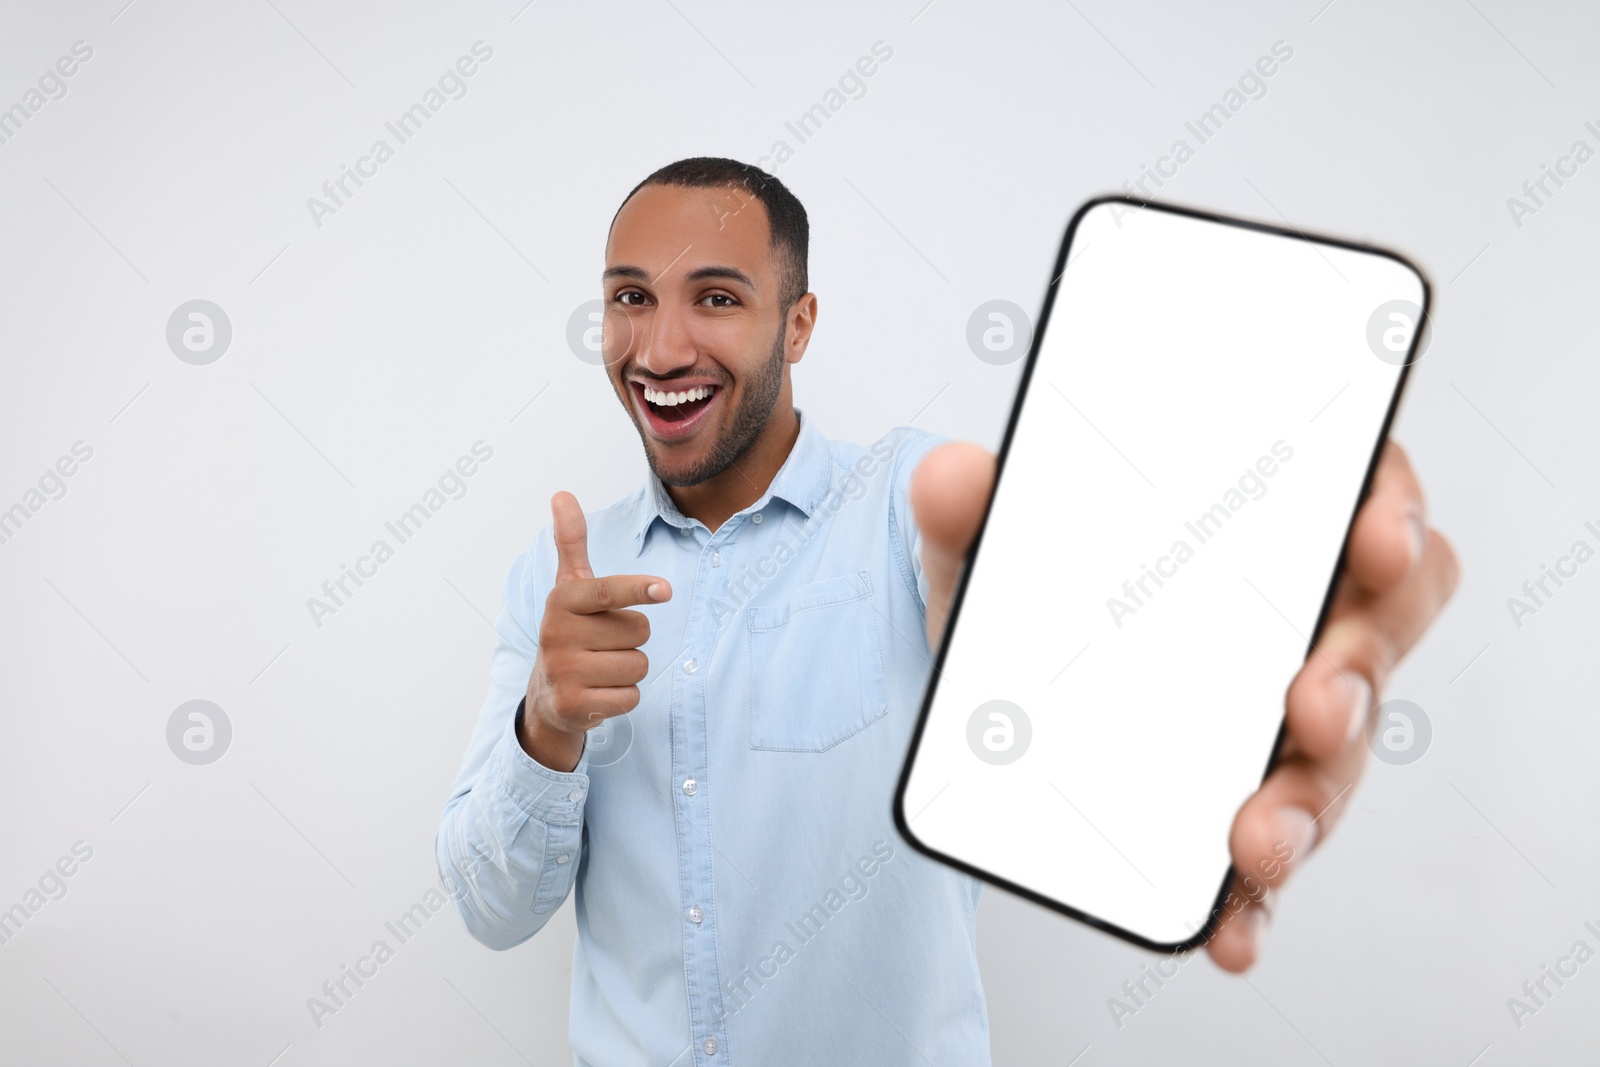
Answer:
(571, 536)
(949, 490)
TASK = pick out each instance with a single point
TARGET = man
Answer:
(714, 772)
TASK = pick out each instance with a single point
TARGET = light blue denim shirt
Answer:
(743, 896)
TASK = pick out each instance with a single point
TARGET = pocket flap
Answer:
(840, 589)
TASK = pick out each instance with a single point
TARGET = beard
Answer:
(758, 398)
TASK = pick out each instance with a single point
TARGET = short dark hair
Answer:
(786, 216)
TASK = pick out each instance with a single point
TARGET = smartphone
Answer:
(1199, 418)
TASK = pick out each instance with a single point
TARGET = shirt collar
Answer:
(802, 481)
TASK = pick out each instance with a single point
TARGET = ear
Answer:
(800, 321)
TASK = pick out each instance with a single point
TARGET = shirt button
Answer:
(575, 795)
(716, 559)
(564, 857)
(690, 666)
(710, 1045)
(684, 530)
(690, 787)
(695, 914)
(756, 518)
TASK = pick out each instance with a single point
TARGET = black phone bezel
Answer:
(902, 824)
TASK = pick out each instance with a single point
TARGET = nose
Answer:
(665, 340)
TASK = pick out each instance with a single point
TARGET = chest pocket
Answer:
(816, 666)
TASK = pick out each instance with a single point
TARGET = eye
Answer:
(623, 298)
(731, 302)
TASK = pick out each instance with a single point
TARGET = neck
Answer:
(746, 478)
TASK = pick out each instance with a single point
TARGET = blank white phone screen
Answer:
(1187, 458)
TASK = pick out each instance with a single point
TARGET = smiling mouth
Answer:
(673, 412)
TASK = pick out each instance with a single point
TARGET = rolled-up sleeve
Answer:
(511, 834)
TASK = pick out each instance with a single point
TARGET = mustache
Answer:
(639, 374)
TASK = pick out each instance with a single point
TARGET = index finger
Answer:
(587, 596)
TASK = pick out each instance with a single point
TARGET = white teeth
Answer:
(661, 399)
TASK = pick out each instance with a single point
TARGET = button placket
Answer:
(693, 816)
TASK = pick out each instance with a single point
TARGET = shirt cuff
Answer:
(551, 796)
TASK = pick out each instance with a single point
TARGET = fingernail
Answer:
(1419, 536)
(1256, 919)
(1358, 694)
(1297, 830)
(656, 590)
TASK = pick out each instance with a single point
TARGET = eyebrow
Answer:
(720, 271)
(699, 274)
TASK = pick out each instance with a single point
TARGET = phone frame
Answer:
(902, 824)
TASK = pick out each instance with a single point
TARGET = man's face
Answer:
(694, 335)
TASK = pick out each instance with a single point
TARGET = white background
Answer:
(426, 314)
